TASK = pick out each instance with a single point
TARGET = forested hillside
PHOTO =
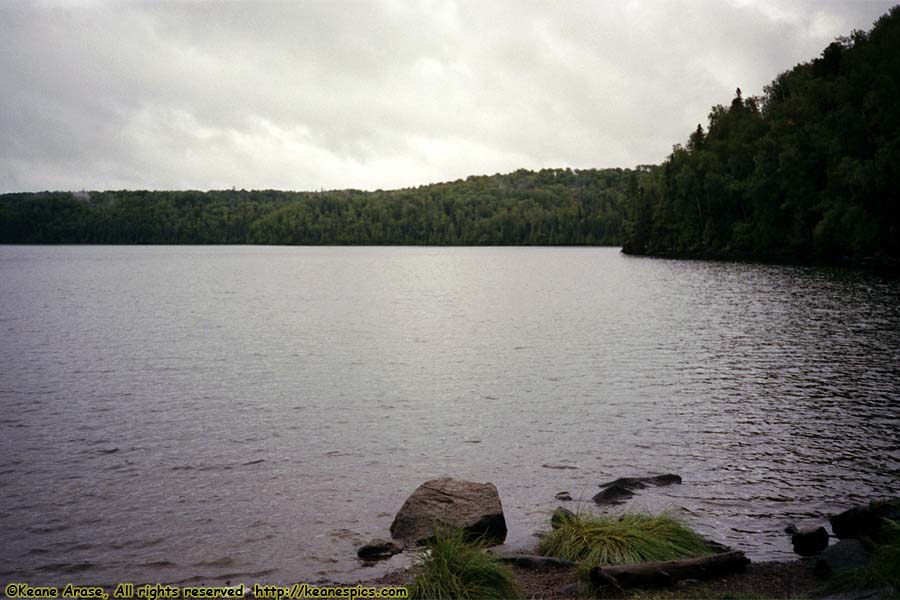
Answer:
(808, 171)
(551, 206)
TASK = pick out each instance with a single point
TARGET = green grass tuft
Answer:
(593, 540)
(452, 567)
(883, 569)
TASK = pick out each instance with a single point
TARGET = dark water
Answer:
(211, 414)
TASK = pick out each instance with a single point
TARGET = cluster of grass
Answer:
(453, 567)
(883, 569)
(593, 540)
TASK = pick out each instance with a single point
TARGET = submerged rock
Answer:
(809, 541)
(378, 549)
(472, 507)
(615, 494)
(564, 496)
(621, 489)
(638, 483)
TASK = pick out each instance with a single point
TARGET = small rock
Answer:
(845, 554)
(561, 516)
(809, 541)
(856, 522)
(378, 549)
(613, 495)
(564, 496)
(865, 521)
(791, 529)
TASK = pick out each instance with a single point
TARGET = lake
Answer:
(253, 414)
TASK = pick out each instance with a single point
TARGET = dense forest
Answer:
(547, 207)
(808, 171)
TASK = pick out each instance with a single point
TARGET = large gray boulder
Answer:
(472, 507)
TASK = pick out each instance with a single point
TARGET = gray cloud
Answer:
(334, 94)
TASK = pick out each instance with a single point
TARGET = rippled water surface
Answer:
(211, 414)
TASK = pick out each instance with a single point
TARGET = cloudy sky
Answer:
(380, 94)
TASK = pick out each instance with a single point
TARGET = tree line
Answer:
(808, 171)
(546, 207)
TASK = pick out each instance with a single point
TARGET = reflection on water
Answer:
(210, 414)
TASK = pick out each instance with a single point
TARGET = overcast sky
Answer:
(381, 94)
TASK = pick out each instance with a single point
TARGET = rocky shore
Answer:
(791, 579)
(476, 509)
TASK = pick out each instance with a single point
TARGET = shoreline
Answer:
(767, 579)
(861, 565)
(884, 265)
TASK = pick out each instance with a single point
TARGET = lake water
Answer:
(253, 414)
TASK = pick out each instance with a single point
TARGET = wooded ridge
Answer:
(809, 171)
(547, 207)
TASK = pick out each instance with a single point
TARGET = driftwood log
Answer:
(662, 574)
